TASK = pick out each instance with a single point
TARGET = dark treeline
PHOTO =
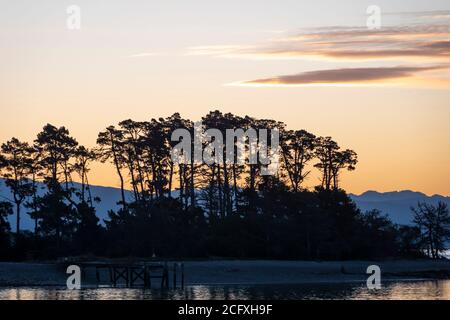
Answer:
(198, 209)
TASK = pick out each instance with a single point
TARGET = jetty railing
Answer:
(136, 274)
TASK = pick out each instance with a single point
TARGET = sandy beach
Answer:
(238, 272)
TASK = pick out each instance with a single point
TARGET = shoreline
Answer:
(242, 272)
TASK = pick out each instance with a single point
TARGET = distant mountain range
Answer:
(396, 204)
(108, 195)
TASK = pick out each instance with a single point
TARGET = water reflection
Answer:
(411, 290)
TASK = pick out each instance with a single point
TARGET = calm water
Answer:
(395, 290)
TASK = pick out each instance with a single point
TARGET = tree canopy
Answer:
(191, 209)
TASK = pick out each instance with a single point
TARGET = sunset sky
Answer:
(311, 64)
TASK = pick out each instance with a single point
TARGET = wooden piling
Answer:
(165, 279)
(175, 275)
(135, 274)
(182, 275)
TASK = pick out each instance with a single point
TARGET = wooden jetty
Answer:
(135, 274)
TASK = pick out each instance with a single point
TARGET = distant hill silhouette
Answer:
(396, 204)
(108, 195)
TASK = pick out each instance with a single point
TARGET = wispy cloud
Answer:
(430, 16)
(143, 54)
(345, 43)
(344, 76)
(425, 47)
(220, 50)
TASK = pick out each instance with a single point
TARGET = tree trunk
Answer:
(181, 196)
(18, 218)
(170, 179)
(82, 184)
(219, 184)
(122, 184)
(235, 186)
(192, 184)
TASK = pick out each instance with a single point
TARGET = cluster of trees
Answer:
(433, 227)
(193, 209)
(141, 154)
(63, 214)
